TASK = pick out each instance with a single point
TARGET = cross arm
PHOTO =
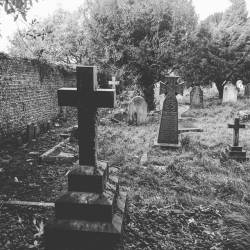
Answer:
(67, 97)
(105, 98)
(233, 126)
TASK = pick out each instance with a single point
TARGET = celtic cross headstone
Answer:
(168, 131)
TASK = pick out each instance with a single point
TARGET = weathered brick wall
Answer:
(28, 92)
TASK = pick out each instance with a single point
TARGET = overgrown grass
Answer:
(202, 197)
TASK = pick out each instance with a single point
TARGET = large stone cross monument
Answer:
(90, 215)
(87, 97)
(168, 132)
(235, 151)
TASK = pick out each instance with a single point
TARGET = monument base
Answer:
(91, 214)
(236, 153)
(167, 145)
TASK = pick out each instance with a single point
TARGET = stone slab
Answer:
(27, 203)
(87, 235)
(50, 156)
(166, 145)
(185, 130)
(88, 178)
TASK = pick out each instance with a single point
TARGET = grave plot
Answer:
(192, 198)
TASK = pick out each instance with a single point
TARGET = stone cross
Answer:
(236, 126)
(113, 83)
(171, 83)
(87, 97)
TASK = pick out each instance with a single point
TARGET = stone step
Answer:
(237, 154)
(87, 235)
(88, 178)
(88, 206)
(235, 148)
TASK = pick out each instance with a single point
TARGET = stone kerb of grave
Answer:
(230, 93)
(137, 111)
(90, 215)
(196, 98)
(235, 151)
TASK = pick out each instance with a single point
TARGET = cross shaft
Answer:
(87, 97)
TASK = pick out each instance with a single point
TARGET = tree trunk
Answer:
(220, 88)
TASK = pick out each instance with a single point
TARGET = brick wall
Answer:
(28, 92)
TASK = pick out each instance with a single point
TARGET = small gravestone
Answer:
(90, 215)
(230, 93)
(168, 132)
(240, 87)
(196, 98)
(137, 111)
(235, 151)
(247, 90)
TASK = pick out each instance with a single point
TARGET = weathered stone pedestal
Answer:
(236, 153)
(90, 216)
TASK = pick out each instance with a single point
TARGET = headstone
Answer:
(235, 152)
(137, 111)
(158, 98)
(247, 90)
(240, 87)
(230, 93)
(168, 132)
(90, 215)
(196, 97)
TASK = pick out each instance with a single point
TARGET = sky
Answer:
(43, 8)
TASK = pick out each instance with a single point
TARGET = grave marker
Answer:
(196, 97)
(137, 111)
(85, 216)
(235, 152)
(168, 132)
(230, 93)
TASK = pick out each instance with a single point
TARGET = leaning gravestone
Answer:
(196, 97)
(230, 93)
(235, 151)
(137, 111)
(168, 132)
(90, 215)
(247, 90)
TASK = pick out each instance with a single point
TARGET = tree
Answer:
(219, 48)
(59, 38)
(143, 38)
(17, 7)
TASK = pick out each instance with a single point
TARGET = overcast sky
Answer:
(45, 7)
